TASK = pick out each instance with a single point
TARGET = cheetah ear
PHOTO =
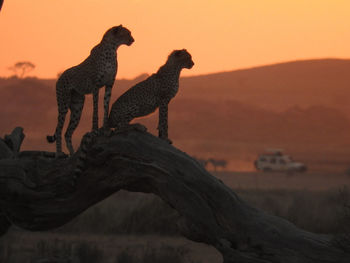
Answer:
(178, 53)
(117, 29)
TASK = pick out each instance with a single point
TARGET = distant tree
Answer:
(21, 68)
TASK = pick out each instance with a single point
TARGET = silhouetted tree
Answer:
(21, 68)
(1, 2)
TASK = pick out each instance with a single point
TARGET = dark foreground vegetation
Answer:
(147, 217)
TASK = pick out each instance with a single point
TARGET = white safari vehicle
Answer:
(275, 160)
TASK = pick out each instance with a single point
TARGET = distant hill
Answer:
(303, 106)
(279, 86)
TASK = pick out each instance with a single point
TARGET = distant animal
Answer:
(148, 95)
(218, 163)
(97, 70)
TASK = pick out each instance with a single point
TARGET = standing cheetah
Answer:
(150, 94)
(97, 70)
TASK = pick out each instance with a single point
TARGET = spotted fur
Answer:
(141, 100)
(150, 94)
(97, 70)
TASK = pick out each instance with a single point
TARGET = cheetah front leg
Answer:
(58, 134)
(107, 98)
(163, 122)
(95, 111)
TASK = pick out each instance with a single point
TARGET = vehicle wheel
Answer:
(256, 165)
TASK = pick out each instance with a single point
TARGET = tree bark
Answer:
(37, 192)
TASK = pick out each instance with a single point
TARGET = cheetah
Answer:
(97, 70)
(150, 94)
(141, 100)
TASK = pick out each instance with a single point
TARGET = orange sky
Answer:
(220, 35)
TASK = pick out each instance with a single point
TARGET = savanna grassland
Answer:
(232, 116)
(135, 227)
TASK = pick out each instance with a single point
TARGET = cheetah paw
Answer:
(167, 140)
(60, 155)
(138, 127)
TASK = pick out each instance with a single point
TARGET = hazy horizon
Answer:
(32, 73)
(251, 109)
(221, 36)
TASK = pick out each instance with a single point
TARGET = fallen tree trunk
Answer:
(37, 192)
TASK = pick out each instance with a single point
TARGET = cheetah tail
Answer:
(51, 139)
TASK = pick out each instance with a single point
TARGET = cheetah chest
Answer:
(169, 88)
(107, 70)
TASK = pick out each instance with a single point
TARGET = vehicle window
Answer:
(262, 159)
(282, 161)
(273, 160)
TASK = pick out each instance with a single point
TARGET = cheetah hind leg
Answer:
(58, 135)
(76, 108)
(57, 154)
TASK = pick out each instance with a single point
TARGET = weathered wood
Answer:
(9, 148)
(36, 193)
(15, 139)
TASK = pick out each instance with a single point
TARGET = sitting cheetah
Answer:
(150, 94)
(97, 70)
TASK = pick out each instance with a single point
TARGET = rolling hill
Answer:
(280, 86)
(302, 106)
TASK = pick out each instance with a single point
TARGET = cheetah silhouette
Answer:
(150, 94)
(97, 70)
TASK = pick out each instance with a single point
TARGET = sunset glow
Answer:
(221, 35)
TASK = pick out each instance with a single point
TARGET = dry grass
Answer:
(311, 181)
(126, 213)
(22, 247)
(135, 227)
(315, 211)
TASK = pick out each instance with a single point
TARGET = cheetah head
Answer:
(119, 35)
(182, 58)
